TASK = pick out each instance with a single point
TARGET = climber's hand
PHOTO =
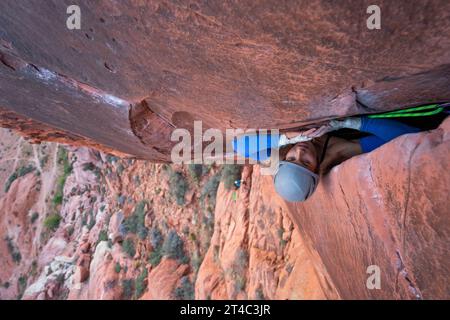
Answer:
(333, 125)
(318, 132)
(293, 137)
(305, 133)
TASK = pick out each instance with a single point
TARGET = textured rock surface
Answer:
(255, 251)
(77, 261)
(264, 64)
(372, 209)
(387, 208)
(137, 70)
(164, 279)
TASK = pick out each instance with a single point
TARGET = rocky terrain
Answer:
(137, 69)
(91, 208)
(80, 224)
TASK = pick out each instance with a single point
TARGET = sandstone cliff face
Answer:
(137, 70)
(255, 252)
(388, 211)
(80, 224)
(387, 208)
(87, 254)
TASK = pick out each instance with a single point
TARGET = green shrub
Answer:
(142, 232)
(239, 282)
(52, 222)
(13, 250)
(178, 186)
(239, 267)
(156, 240)
(120, 199)
(195, 171)
(34, 217)
(230, 173)
(135, 223)
(156, 237)
(89, 166)
(58, 198)
(185, 291)
(128, 247)
(117, 267)
(63, 159)
(17, 257)
(206, 169)
(111, 158)
(127, 288)
(25, 170)
(92, 221)
(196, 261)
(155, 257)
(173, 246)
(120, 168)
(43, 161)
(102, 236)
(20, 172)
(141, 283)
(241, 259)
(34, 268)
(22, 285)
(259, 294)
(209, 190)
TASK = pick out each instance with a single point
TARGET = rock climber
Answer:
(305, 155)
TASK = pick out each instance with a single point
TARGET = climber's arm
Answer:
(386, 129)
(383, 130)
(370, 143)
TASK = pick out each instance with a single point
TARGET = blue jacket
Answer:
(259, 146)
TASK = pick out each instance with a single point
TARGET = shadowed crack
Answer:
(407, 195)
(401, 270)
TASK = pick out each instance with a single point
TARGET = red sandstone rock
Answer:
(103, 280)
(82, 270)
(387, 208)
(116, 235)
(16, 231)
(251, 65)
(85, 247)
(164, 279)
(255, 252)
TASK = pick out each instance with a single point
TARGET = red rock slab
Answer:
(387, 208)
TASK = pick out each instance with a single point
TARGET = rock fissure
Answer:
(404, 273)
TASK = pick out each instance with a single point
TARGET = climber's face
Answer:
(304, 154)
